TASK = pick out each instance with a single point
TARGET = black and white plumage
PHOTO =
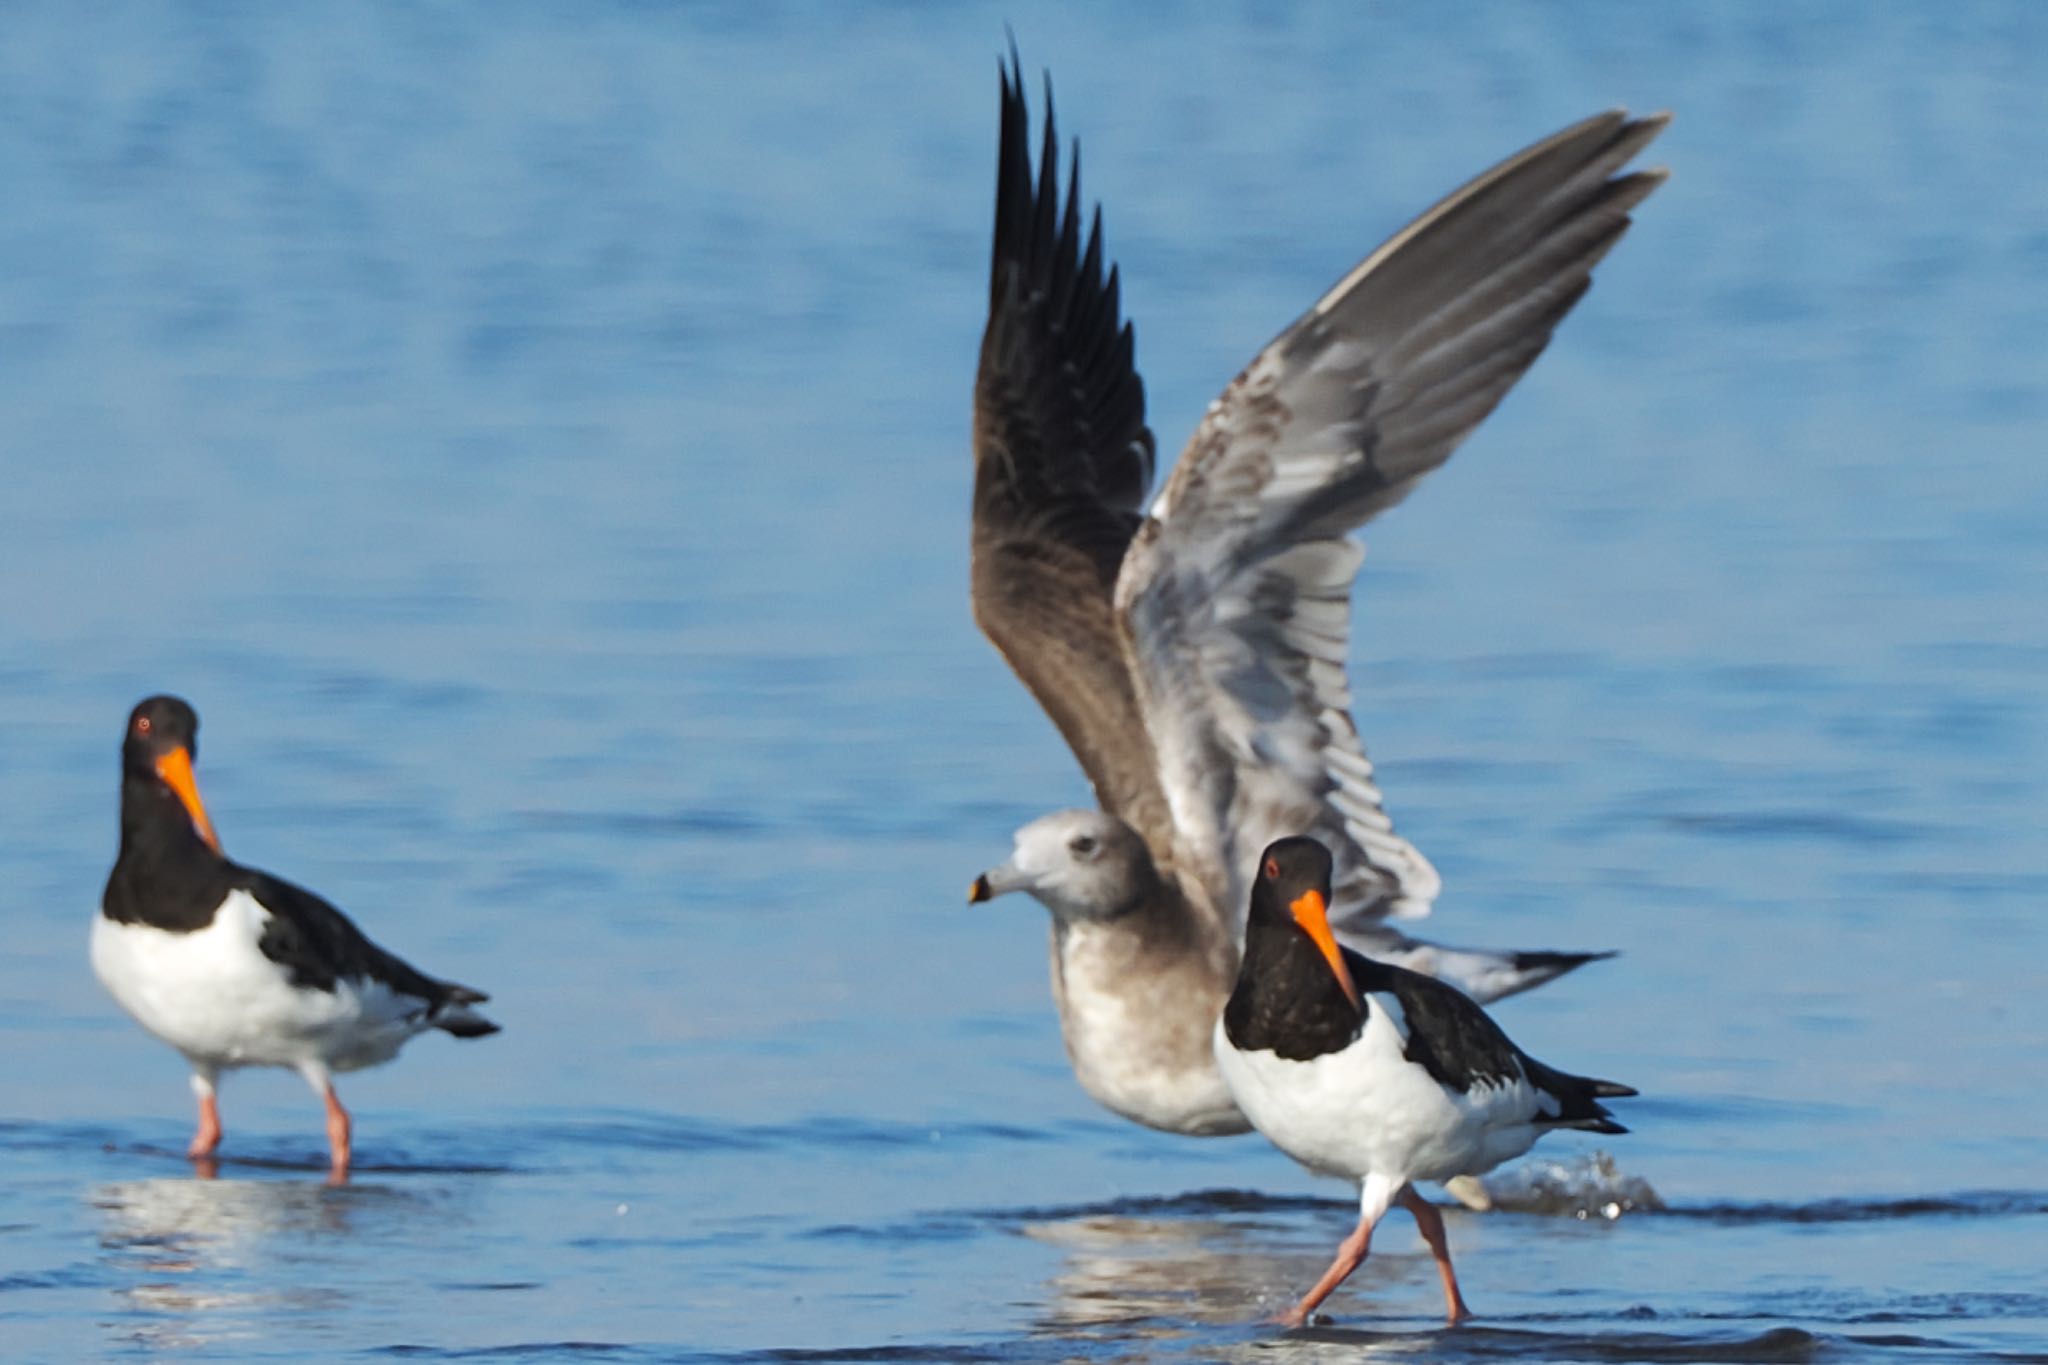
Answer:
(1193, 654)
(234, 967)
(1376, 1074)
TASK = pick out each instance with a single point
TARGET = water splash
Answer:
(1590, 1187)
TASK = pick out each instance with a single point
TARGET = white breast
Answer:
(1368, 1110)
(215, 997)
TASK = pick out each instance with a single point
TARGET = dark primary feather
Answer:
(1063, 461)
(1460, 1046)
(319, 946)
(1449, 1036)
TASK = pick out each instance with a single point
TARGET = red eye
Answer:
(142, 725)
(1273, 868)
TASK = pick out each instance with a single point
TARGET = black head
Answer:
(161, 743)
(1292, 888)
(157, 726)
(1288, 869)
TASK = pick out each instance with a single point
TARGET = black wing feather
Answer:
(319, 945)
(1063, 461)
(1458, 1043)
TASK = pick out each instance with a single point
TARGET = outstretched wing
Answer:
(1236, 594)
(1062, 463)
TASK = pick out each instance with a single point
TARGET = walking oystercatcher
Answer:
(1376, 1074)
(234, 967)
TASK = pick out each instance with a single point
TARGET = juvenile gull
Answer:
(1193, 653)
(234, 967)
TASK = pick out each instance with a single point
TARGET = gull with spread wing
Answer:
(1193, 653)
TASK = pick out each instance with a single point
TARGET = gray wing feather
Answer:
(1235, 597)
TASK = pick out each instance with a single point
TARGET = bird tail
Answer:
(1578, 1098)
(1535, 968)
(455, 1016)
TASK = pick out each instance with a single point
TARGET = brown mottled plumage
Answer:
(1194, 656)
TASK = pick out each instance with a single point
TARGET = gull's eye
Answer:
(1083, 845)
(1273, 868)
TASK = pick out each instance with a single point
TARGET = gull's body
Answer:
(1192, 652)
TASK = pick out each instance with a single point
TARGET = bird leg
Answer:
(1375, 1195)
(1350, 1255)
(206, 1141)
(1431, 1220)
(338, 1130)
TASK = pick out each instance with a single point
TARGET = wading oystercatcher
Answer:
(234, 967)
(1376, 1074)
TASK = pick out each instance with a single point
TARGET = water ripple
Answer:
(1197, 1203)
(1828, 826)
(1971, 1204)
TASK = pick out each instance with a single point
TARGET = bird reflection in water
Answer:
(202, 1262)
(1153, 1278)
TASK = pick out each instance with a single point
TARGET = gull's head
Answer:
(1079, 864)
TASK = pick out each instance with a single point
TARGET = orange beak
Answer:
(1312, 913)
(175, 768)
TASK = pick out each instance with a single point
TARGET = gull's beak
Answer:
(995, 882)
(175, 768)
(1312, 912)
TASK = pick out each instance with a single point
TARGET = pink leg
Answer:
(338, 1130)
(206, 1141)
(1431, 1221)
(1350, 1255)
(1375, 1195)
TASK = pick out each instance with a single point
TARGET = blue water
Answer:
(535, 438)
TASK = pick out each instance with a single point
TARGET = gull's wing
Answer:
(1062, 463)
(1236, 593)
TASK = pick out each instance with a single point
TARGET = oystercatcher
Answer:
(1376, 1074)
(1193, 653)
(234, 967)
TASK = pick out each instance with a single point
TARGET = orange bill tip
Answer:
(1312, 913)
(175, 768)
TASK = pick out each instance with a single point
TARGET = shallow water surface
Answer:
(535, 439)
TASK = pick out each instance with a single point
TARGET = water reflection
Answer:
(1146, 1288)
(1153, 1279)
(202, 1262)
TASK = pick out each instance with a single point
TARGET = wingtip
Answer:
(1010, 73)
(1556, 963)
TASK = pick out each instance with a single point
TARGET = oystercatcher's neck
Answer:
(1287, 1000)
(165, 875)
